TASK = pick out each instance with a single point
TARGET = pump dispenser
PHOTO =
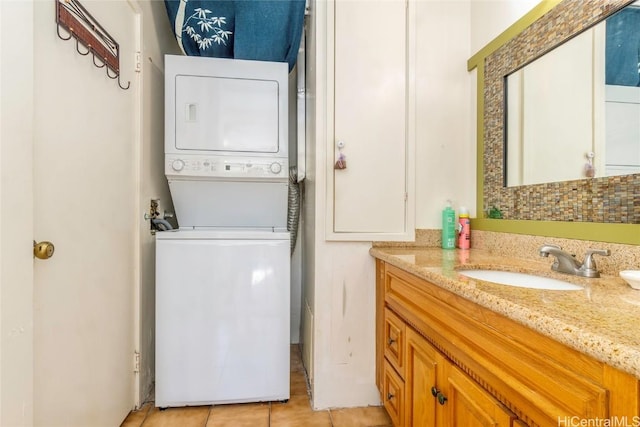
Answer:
(448, 227)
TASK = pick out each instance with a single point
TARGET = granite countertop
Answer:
(603, 320)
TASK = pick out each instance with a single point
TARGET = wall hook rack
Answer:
(78, 23)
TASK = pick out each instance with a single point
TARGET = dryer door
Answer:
(233, 115)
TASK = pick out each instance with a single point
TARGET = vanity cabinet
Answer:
(446, 361)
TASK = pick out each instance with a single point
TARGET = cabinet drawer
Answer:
(393, 394)
(393, 340)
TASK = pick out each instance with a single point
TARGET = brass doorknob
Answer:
(43, 250)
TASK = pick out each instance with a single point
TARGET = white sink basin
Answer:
(522, 280)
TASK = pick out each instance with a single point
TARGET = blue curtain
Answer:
(266, 30)
(623, 48)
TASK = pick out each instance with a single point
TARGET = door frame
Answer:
(139, 210)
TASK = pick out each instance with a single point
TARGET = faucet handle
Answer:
(588, 259)
(589, 264)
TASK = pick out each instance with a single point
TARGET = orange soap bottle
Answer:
(464, 229)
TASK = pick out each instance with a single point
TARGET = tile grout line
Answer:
(206, 420)
(146, 414)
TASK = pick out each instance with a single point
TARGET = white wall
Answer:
(157, 39)
(445, 149)
(489, 18)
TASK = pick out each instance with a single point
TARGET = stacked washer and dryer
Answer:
(223, 277)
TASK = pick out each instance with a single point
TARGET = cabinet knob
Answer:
(390, 396)
(390, 341)
(442, 399)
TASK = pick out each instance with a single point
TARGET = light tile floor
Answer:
(296, 412)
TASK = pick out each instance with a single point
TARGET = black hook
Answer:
(122, 87)
(59, 35)
(98, 65)
(117, 76)
(78, 48)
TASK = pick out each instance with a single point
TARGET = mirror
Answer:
(574, 112)
(610, 200)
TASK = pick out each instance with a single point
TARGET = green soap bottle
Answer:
(448, 228)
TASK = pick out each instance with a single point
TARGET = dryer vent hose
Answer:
(295, 201)
(161, 224)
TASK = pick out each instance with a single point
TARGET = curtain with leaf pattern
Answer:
(267, 30)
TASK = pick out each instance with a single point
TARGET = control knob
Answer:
(177, 165)
(275, 167)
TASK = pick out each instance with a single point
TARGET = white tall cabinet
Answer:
(370, 120)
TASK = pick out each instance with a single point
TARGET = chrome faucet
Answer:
(567, 263)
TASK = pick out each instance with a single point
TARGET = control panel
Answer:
(225, 167)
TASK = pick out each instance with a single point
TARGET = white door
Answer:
(84, 139)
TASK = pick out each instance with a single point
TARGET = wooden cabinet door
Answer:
(470, 405)
(422, 364)
(393, 394)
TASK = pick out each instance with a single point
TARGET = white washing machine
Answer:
(223, 278)
(222, 302)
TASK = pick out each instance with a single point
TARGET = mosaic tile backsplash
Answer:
(604, 200)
